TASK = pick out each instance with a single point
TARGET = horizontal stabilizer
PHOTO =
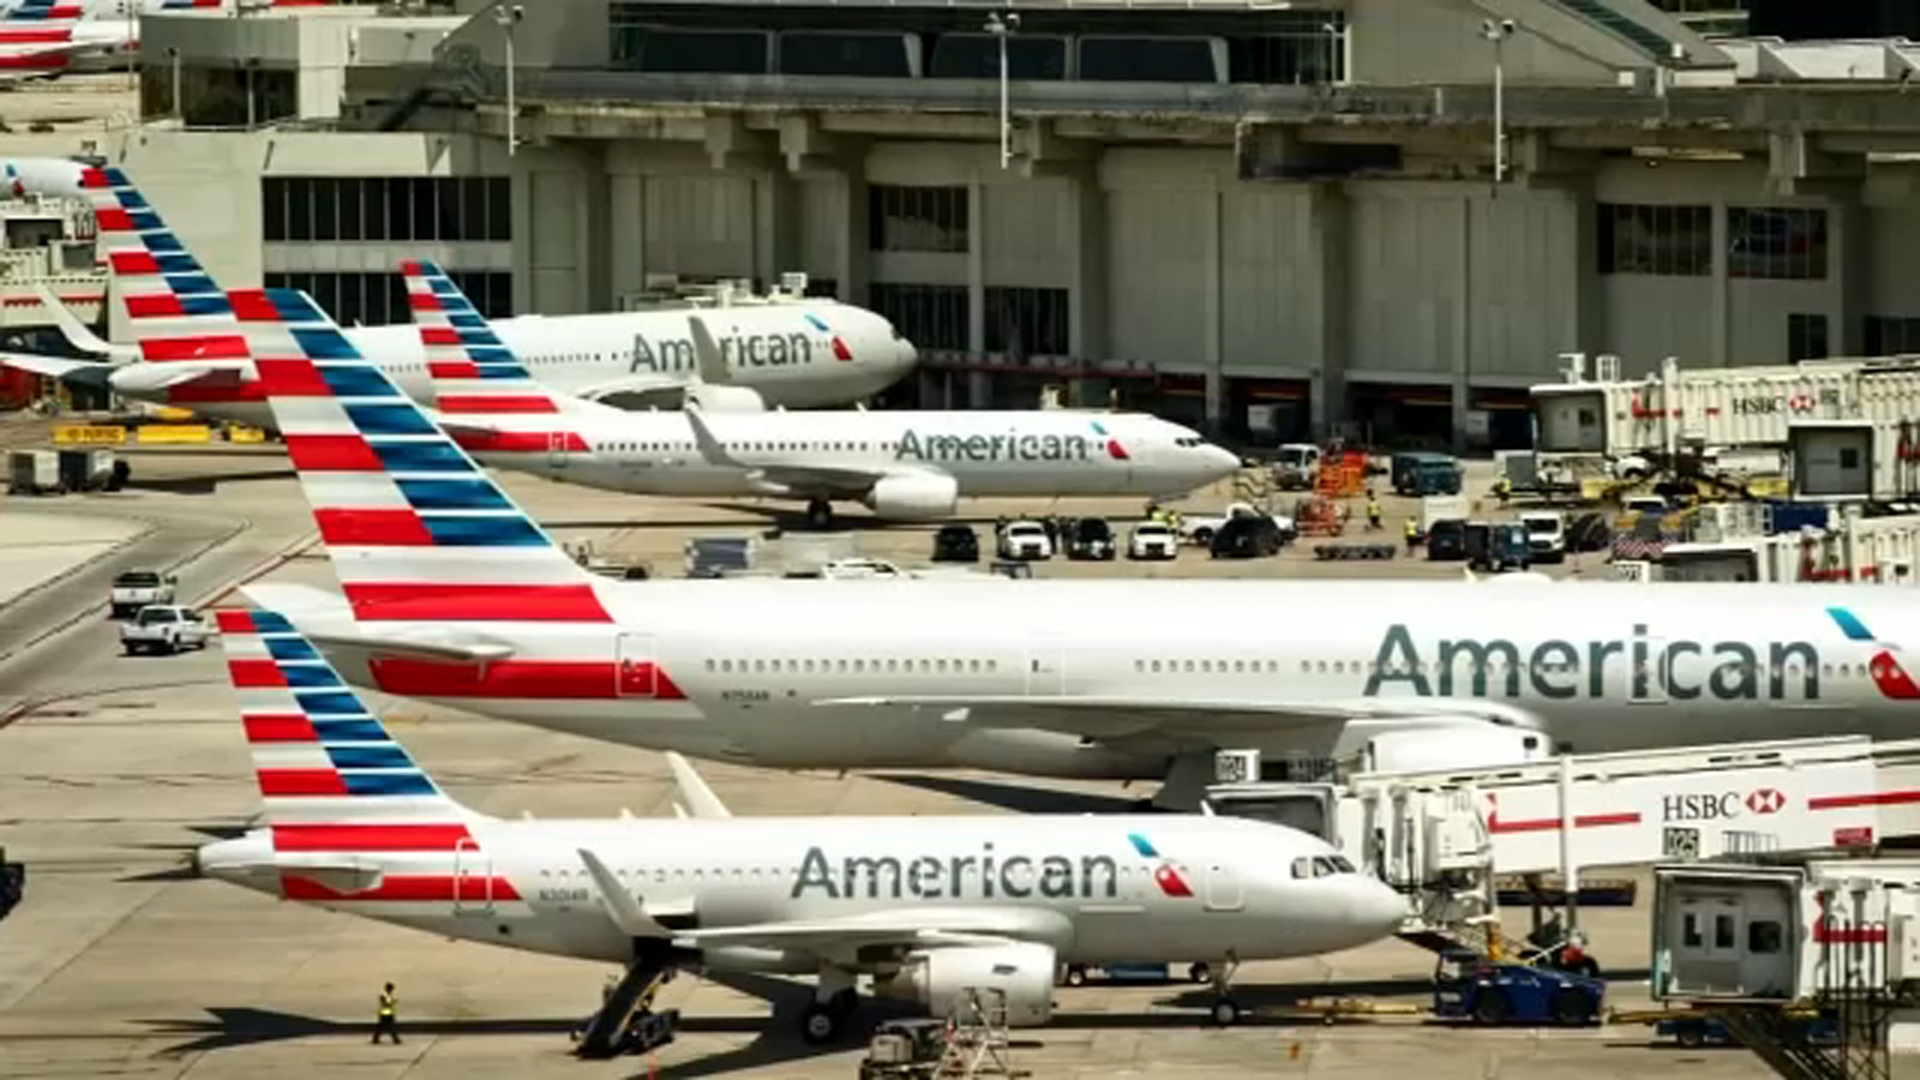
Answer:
(79, 334)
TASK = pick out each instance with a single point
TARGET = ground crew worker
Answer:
(1413, 534)
(1373, 510)
(1503, 490)
(387, 1021)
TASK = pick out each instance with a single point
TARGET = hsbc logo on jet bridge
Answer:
(736, 350)
(1759, 802)
(1563, 670)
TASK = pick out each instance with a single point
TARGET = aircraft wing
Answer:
(636, 383)
(57, 367)
(911, 925)
(1118, 716)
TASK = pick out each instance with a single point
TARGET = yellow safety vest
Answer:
(387, 1004)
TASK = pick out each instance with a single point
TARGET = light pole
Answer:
(507, 16)
(1498, 33)
(1002, 27)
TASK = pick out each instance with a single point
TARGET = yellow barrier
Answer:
(175, 433)
(89, 435)
(169, 415)
(240, 434)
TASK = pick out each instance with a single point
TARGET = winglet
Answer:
(620, 905)
(698, 799)
(79, 334)
(708, 363)
(710, 448)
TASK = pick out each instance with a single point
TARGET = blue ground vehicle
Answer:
(1693, 1031)
(1469, 986)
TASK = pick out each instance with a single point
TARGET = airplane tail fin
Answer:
(160, 284)
(485, 396)
(416, 530)
(321, 758)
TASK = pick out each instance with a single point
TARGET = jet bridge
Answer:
(1443, 836)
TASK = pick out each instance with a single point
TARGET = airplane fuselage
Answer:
(798, 355)
(829, 454)
(773, 672)
(1211, 887)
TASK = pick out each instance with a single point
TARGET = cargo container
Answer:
(33, 472)
(85, 470)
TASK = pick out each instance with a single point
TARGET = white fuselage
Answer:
(833, 454)
(761, 670)
(790, 353)
(1080, 884)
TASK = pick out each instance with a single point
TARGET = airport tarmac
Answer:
(111, 767)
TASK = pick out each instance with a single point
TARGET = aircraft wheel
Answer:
(821, 1024)
(819, 514)
(1225, 1012)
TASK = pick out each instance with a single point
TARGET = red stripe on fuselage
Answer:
(496, 403)
(418, 888)
(519, 442)
(369, 837)
(432, 601)
(576, 680)
(204, 347)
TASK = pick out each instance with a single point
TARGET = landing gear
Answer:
(1225, 1011)
(833, 1004)
(819, 514)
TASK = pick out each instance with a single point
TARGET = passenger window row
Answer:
(857, 666)
(1368, 667)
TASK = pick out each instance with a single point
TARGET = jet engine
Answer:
(913, 496)
(939, 978)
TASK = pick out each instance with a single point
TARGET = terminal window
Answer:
(687, 51)
(1777, 242)
(354, 299)
(916, 218)
(882, 56)
(1149, 59)
(1026, 322)
(1670, 241)
(1886, 335)
(977, 56)
(355, 208)
(930, 316)
(1807, 337)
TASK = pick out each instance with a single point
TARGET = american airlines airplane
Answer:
(925, 906)
(452, 595)
(789, 352)
(46, 38)
(902, 465)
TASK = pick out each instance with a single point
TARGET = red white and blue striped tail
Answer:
(473, 371)
(176, 309)
(418, 533)
(321, 757)
(44, 11)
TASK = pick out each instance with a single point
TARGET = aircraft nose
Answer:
(1376, 910)
(1220, 462)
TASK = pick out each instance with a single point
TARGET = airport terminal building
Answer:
(1277, 220)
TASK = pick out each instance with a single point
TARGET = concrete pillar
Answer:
(596, 219)
(1328, 239)
(1213, 348)
(1850, 269)
(1087, 270)
(1463, 344)
(776, 226)
(978, 390)
(854, 262)
(1720, 317)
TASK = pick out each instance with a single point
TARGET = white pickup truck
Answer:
(164, 628)
(1199, 529)
(136, 589)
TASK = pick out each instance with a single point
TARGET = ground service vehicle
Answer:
(1091, 538)
(1248, 537)
(1468, 986)
(1447, 540)
(1152, 540)
(136, 589)
(1297, 466)
(1025, 540)
(163, 628)
(956, 543)
(1426, 473)
(1497, 546)
(1546, 535)
(906, 1049)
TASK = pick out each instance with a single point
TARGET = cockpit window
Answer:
(1189, 441)
(1319, 866)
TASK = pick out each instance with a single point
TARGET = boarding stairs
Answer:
(625, 1020)
(979, 1040)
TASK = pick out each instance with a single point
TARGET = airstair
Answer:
(979, 1040)
(626, 1022)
